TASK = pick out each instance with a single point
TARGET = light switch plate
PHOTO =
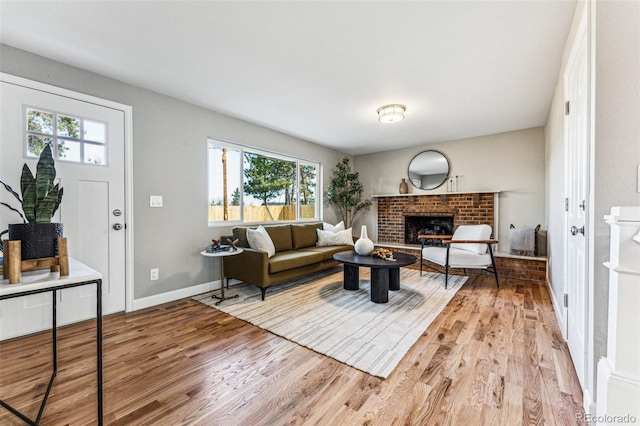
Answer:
(155, 201)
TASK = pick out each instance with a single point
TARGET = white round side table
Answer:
(221, 254)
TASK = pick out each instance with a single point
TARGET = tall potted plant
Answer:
(40, 199)
(345, 193)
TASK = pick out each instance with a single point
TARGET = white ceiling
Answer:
(320, 70)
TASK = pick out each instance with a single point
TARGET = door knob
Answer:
(117, 212)
(117, 226)
(575, 230)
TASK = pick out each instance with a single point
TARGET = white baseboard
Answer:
(170, 296)
(588, 403)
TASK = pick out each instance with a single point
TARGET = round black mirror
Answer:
(428, 170)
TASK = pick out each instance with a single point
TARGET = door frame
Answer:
(128, 160)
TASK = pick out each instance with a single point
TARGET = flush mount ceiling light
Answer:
(391, 113)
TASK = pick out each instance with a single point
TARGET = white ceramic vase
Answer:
(364, 246)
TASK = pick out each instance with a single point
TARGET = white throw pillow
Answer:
(259, 239)
(333, 228)
(340, 238)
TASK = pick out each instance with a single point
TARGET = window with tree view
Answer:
(247, 185)
(73, 139)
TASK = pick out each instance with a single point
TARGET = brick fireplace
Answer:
(466, 209)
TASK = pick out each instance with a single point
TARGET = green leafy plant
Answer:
(40, 196)
(345, 192)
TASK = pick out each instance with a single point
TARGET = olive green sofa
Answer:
(296, 255)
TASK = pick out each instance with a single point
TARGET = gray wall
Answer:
(617, 140)
(169, 159)
(511, 162)
(615, 39)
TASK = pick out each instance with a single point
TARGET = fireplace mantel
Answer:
(433, 194)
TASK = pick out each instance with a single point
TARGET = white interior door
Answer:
(576, 190)
(91, 169)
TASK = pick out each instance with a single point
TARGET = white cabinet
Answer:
(619, 371)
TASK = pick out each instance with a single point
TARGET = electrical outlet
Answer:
(155, 200)
(154, 274)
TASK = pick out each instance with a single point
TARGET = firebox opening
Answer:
(427, 225)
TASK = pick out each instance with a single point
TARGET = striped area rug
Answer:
(318, 313)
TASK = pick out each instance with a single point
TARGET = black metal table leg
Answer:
(54, 338)
(99, 349)
(222, 297)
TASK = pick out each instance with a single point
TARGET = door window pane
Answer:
(94, 154)
(35, 144)
(69, 127)
(95, 131)
(70, 151)
(39, 122)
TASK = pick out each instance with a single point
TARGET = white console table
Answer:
(619, 372)
(43, 281)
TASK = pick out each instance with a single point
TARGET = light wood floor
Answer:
(492, 357)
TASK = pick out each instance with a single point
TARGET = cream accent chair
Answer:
(467, 249)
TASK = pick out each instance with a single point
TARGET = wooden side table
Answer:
(221, 254)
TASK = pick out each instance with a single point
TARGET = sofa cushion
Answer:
(328, 251)
(457, 258)
(284, 261)
(304, 235)
(281, 237)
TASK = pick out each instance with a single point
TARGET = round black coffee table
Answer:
(385, 274)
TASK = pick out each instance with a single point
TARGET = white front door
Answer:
(576, 189)
(90, 140)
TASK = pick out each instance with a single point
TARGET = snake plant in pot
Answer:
(40, 199)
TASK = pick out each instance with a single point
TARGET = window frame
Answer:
(213, 142)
